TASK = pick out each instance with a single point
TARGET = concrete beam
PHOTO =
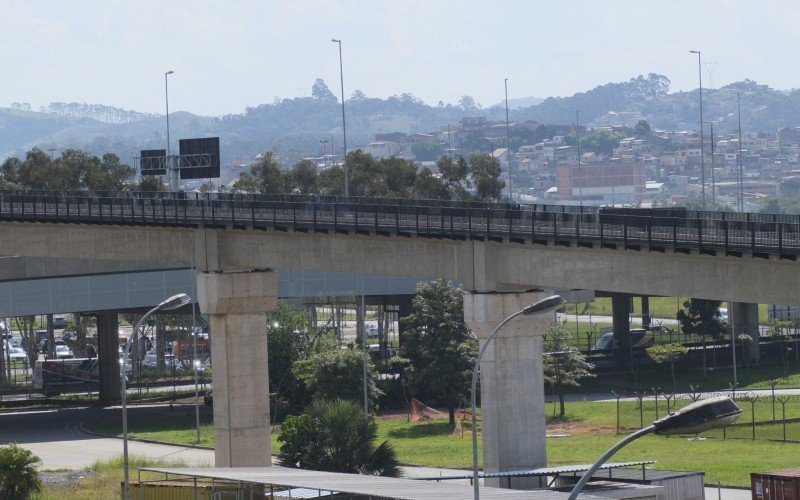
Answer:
(237, 303)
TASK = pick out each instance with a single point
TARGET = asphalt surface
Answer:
(56, 437)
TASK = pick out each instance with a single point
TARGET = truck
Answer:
(54, 376)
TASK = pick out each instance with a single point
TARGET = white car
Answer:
(17, 354)
(63, 352)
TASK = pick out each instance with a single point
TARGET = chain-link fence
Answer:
(766, 415)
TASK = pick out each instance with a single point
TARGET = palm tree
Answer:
(336, 436)
(19, 476)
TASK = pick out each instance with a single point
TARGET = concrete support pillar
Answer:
(745, 319)
(512, 384)
(108, 355)
(621, 311)
(237, 303)
(645, 312)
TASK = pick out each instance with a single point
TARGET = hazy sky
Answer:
(238, 53)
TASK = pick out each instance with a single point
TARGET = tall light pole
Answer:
(174, 184)
(697, 417)
(702, 151)
(174, 302)
(713, 167)
(739, 156)
(508, 148)
(542, 307)
(344, 129)
(578, 143)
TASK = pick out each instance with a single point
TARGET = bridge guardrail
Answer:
(709, 232)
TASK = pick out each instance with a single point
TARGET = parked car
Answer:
(63, 352)
(59, 322)
(17, 354)
(640, 338)
(151, 361)
(208, 398)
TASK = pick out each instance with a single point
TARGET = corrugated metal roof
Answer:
(544, 471)
(376, 486)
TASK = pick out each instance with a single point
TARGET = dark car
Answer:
(59, 322)
(640, 338)
(208, 398)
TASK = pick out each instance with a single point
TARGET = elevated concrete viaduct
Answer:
(236, 285)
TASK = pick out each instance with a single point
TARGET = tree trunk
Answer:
(562, 410)
(451, 413)
(51, 338)
(80, 336)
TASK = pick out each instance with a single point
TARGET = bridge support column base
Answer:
(745, 318)
(108, 356)
(237, 303)
(512, 384)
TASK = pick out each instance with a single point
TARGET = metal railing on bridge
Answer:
(676, 229)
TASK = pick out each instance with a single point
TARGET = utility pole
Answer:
(508, 148)
(702, 151)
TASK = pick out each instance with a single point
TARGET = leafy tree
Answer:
(400, 176)
(601, 141)
(303, 177)
(151, 184)
(467, 104)
(265, 177)
(336, 436)
(429, 186)
(454, 175)
(290, 339)
(485, 172)
(642, 128)
(564, 366)
(339, 374)
(19, 476)
(667, 353)
(321, 91)
(702, 318)
(439, 346)
(331, 181)
(365, 175)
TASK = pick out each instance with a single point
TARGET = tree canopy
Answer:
(439, 346)
(564, 366)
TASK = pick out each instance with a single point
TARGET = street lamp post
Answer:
(542, 307)
(713, 168)
(508, 148)
(702, 151)
(169, 304)
(578, 144)
(739, 156)
(344, 129)
(697, 417)
(174, 184)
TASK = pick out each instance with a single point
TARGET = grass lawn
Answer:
(714, 380)
(591, 428)
(660, 307)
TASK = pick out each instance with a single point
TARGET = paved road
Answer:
(55, 436)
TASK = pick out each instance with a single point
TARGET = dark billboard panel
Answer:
(199, 158)
(153, 162)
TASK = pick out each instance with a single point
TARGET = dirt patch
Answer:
(64, 479)
(578, 428)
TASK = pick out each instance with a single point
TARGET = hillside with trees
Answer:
(293, 128)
